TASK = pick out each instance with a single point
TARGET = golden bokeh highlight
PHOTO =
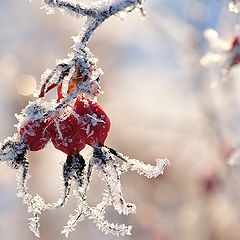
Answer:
(26, 85)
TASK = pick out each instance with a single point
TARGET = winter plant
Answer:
(71, 121)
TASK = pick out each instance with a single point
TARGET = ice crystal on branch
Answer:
(71, 121)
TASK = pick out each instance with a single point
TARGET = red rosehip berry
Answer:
(64, 135)
(35, 134)
(93, 123)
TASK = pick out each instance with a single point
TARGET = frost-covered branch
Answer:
(69, 7)
(80, 69)
(98, 10)
(97, 13)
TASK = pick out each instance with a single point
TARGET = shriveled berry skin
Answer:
(93, 123)
(35, 134)
(65, 137)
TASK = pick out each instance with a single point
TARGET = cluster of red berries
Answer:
(85, 123)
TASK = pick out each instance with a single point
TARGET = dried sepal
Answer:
(35, 204)
(97, 216)
(147, 170)
(104, 163)
(111, 177)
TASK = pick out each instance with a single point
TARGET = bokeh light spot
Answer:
(26, 85)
